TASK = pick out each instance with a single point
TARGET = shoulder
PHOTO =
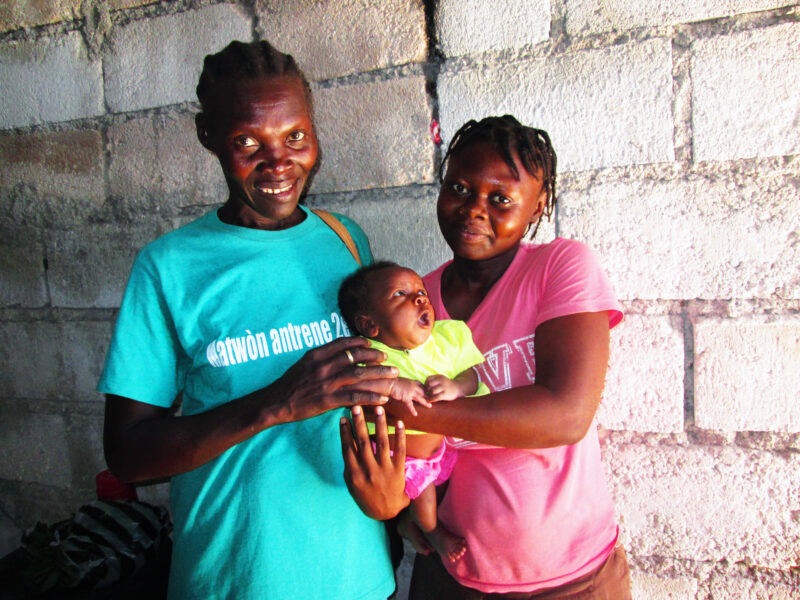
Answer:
(358, 235)
(452, 331)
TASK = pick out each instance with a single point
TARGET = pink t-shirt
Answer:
(532, 519)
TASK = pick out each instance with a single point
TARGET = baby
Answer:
(389, 305)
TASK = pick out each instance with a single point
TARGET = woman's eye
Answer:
(500, 199)
(245, 141)
(296, 136)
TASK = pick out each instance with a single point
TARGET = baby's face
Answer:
(398, 311)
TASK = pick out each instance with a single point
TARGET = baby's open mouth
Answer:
(425, 319)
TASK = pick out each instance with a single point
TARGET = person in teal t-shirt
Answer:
(236, 313)
(389, 305)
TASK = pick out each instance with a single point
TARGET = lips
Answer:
(425, 319)
(275, 188)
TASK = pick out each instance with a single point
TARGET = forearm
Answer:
(160, 445)
(525, 417)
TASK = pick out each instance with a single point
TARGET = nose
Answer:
(274, 159)
(420, 299)
(473, 207)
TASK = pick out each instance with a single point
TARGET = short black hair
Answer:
(354, 291)
(246, 60)
(505, 134)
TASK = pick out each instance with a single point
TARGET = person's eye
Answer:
(500, 199)
(296, 136)
(245, 141)
(459, 189)
(398, 293)
(422, 293)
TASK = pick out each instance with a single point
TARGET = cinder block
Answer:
(53, 361)
(490, 24)
(59, 164)
(747, 375)
(50, 79)
(591, 16)
(695, 238)
(730, 588)
(707, 503)
(390, 120)
(85, 440)
(190, 174)
(401, 224)
(42, 461)
(15, 14)
(645, 586)
(744, 94)
(121, 4)
(89, 267)
(602, 108)
(158, 161)
(21, 268)
(333, 38)
(644, 384)
(156, 62)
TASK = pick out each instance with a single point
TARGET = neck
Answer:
(482, 273)
(239, 213)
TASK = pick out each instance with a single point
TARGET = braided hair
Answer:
(506, 134)
(252, 60)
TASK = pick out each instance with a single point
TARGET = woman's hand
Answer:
(376, 479)
(332, 376)
(144, 442)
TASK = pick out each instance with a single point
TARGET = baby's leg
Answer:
(423, 511)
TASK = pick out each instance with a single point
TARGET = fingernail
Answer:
(399, 425)
(343, 421)
(379, 410)
(356, 410)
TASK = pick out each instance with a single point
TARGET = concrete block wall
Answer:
(676, 126)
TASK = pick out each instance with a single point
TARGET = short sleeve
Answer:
(144, 357)
(573, 282)
(467, 354)
(359, 237)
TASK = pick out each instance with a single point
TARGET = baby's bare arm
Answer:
(440, 387)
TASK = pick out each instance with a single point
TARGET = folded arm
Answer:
(145, 442)
(571, 360)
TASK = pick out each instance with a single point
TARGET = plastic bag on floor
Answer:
(105, 542)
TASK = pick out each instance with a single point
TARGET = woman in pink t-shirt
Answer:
(527, 492)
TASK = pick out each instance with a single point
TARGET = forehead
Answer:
(479, 156)
(383, 280)
(246, 99)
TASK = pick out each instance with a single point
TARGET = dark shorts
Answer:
(610, 581)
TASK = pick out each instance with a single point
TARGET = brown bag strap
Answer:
(340, 230)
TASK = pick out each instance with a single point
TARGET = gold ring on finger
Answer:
(349, 356)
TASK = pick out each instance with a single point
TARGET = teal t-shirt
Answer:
(217, 311)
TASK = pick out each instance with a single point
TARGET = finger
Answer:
(382, 449)
(364, 447)
(348, 444)
(410, 406)
(399, 455)
(423, 401)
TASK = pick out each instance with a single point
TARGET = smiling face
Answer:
(397, 310)
(484, 210)
(262, 133)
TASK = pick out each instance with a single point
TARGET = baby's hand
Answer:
(441, 387)
(409, 391)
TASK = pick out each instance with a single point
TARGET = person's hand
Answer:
(376, 479)
(409, 391)
(344, 372)
(441, 387)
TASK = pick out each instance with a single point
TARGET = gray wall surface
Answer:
(677, 126)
